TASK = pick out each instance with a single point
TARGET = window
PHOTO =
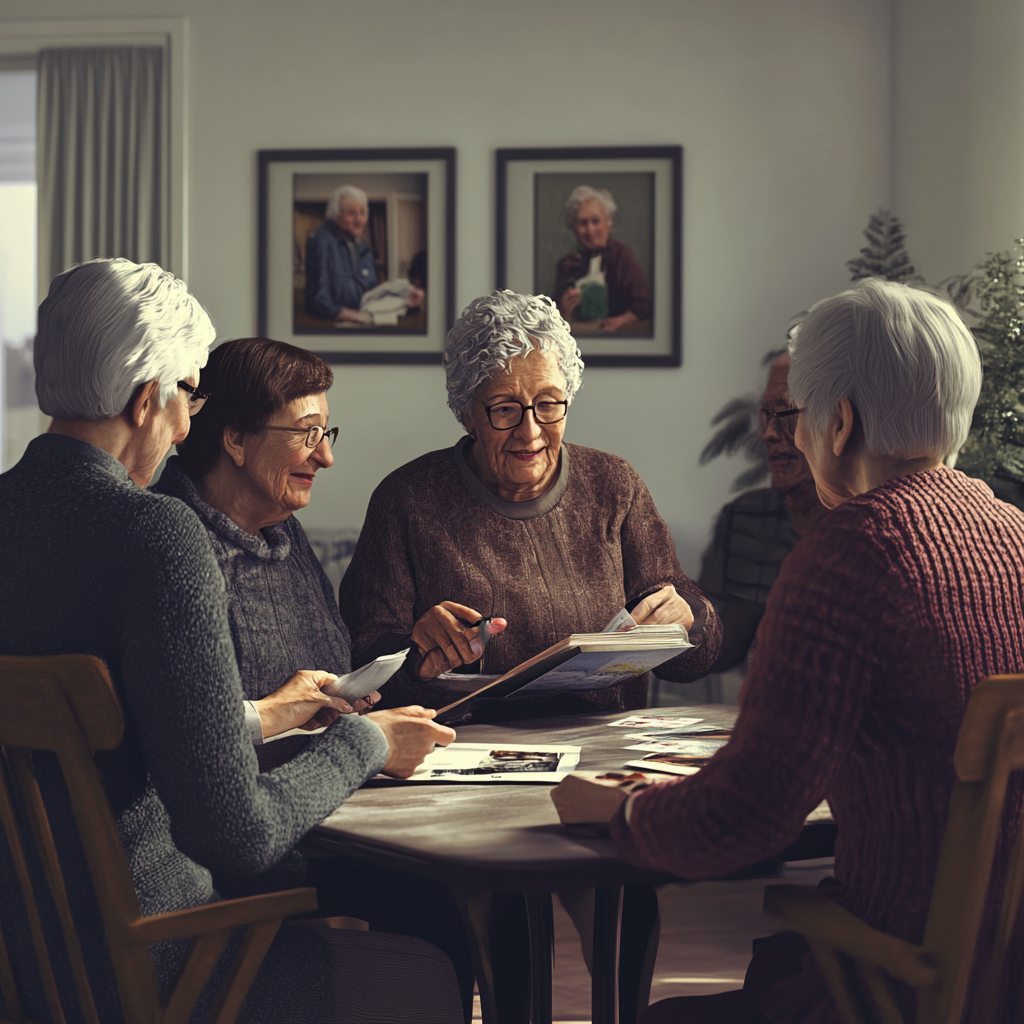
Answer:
(19, 415)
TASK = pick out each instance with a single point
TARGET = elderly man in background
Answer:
(339, 263)
(96, 564)
(880, 624)
(588, 213)
(754, 533)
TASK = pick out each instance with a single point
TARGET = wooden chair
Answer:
(990, 746)
(67, 705)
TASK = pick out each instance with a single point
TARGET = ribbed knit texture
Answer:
(94, 564)
(282, 611)
(429, 538)
(880, 623)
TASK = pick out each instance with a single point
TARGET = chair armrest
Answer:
(215, 917)
(826, 922)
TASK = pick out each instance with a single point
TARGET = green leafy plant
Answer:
(991, 299)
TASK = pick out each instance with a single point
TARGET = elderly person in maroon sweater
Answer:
(589, 213)
(512, 522)
(879, 625)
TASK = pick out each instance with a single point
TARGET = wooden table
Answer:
(482, 838)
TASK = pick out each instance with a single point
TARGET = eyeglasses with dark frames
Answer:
(784, 418)
(508, 415)
(196, 398)
(314, 435)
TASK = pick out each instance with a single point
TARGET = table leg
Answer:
(638, 950)
(604, 982)
(476, 918)
(542, 944)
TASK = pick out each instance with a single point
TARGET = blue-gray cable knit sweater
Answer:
(94, 564)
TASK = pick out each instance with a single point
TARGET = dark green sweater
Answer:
(94, 564)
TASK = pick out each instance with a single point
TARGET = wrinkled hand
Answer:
(301, 704)
(444, 642)
(570, 302)
(663, 607)
(411, 734)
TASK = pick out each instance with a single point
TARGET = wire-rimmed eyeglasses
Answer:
(196, 398)
(785, 418)
(314, 435)
(508, 415)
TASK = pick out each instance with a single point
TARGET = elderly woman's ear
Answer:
(233, 437)
(842, 426)
(143, 402)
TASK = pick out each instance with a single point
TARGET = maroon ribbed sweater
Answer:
(879, 625)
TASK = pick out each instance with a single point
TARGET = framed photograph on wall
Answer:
(599, 230)
(357, 252)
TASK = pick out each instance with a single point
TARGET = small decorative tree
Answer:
(885, 255)
(991, 300)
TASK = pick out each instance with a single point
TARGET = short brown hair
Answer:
(248, 380)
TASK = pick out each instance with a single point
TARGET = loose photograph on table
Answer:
(598, 230)
(485, 762)
(356, 252)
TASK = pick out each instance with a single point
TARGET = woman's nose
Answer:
(322, 452)
(529, 427)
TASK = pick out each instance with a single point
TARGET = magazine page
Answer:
(593, 670)
(490, 762)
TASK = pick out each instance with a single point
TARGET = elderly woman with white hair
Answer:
(512, 522)
(96, 564)
(589, 215)
(881, 621)
(339, 263)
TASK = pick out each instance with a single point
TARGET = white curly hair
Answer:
(340, 194)
(580, 195)
(496, 328)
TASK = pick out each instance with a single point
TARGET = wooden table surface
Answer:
(498, 834)
(491, 837)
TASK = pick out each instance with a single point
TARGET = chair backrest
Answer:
(989, 747)
(67, 705)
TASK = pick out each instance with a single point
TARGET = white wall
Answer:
(958, 130)
(782, 110)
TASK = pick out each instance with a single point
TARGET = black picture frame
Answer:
(281, 173)
(527, 180)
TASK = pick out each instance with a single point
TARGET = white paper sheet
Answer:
(492, 762)
(366, 679)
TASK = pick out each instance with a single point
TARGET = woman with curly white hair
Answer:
(513, 523)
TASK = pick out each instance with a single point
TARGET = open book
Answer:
(586, 661)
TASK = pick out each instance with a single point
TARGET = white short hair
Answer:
(902, 356)
(580, 195)
(340, 194)
(108, 326)
(496, 328)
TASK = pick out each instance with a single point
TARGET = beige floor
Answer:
(706, 932)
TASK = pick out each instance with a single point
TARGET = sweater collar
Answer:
(61, 450)
(512, 509)
(271, 543)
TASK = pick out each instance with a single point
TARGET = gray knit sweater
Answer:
(282, 611)
(94, 564)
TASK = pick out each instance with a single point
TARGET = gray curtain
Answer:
(102, 156)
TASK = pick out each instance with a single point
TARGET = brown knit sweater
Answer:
(879, 625)
(563, 563)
